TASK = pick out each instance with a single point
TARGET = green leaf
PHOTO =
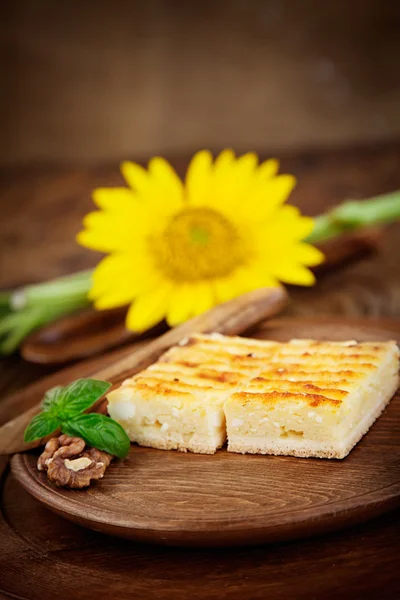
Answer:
(52, 399)
(81, 395)
(98, 431)
(41, 426)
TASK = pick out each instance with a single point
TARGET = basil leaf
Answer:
(98, 431)
(81, 395)
(52, 398)
(41, 426)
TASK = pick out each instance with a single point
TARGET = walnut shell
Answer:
(69, 463)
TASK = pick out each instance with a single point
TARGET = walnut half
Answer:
(70, 463)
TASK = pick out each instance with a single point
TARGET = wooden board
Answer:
(225, 499)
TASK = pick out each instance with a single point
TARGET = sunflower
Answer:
(177, 248)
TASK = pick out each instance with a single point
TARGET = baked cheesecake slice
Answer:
(313, 398)
(178, 402)
(301, 398)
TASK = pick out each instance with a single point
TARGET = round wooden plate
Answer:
(225, 499)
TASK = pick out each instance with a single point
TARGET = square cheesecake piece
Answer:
(178, 402)
(313, 399)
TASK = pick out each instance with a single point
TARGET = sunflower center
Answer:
(198, 243)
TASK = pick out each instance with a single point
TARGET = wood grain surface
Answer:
(230, 499)
(58, 559)
(225, 499)
(42, 554)
(96, 80)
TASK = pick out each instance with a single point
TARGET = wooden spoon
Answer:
(349, 247)
(230, 318)
(80, 336)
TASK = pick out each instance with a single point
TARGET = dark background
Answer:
(95, 81)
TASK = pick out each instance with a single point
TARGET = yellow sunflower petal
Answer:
(115, 298)
(268, 196)
(285, 226)
(136, 177)
(283, 253)
(114, 232)
(181, 304)
(204, 297)
(188, 300)
(159, 187)
(243, 177)
(114, 199)
(229, 183)
(149, 308)
(279, 188)
(250, 198)
(299, 229)
(169, 184)
(293, 273)
(244, 279)
(224, 160)
(127, 222)
(97, 241)
(130, 273)
(307, 254)
(198, 178)
(227, 288)
(256, 276)
(246, 165)
(267, 169)
(111, 268)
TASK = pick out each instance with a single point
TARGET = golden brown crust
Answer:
(309, 371)
(161, 388)
(305, 388)
(276, 396)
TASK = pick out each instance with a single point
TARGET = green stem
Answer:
(16, 326)
(73, 287)
(5, 304)
(5, 299)
(355, 214)
(36, 305)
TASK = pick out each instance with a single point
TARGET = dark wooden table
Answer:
(41, 210)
